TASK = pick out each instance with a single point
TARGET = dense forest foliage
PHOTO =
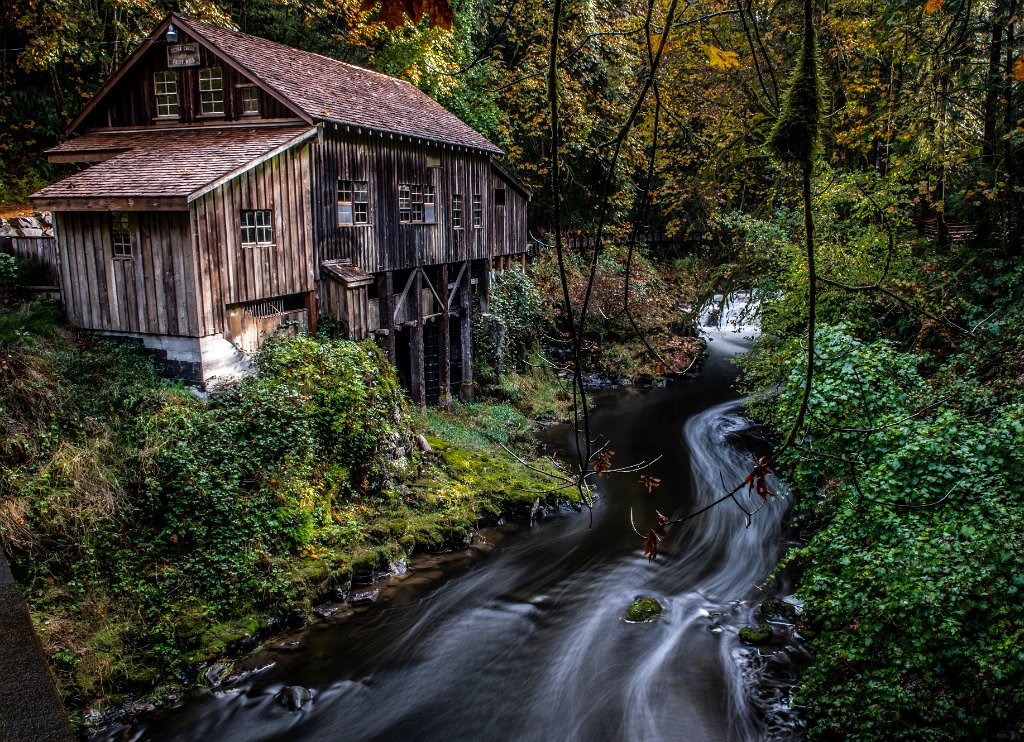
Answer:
(906, 467)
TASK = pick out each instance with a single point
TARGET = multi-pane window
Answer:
(211, 90)
(457, 210)
(353, 202)
(478, 211)
(165, 87)
(120, 234)
(257, 228)
(250, 99)
(416, 203)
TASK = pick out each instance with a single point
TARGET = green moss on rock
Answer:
(756, 635)
(643, 610)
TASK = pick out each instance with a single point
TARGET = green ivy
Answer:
(911, 585)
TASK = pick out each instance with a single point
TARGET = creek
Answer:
(527, 643)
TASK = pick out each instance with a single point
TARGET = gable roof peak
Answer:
(327, 89)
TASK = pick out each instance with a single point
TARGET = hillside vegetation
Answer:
(907, 475)
(153, 531)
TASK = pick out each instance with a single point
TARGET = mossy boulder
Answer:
(756, 635)
(643, 610)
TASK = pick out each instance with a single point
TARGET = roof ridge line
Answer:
(264, 40)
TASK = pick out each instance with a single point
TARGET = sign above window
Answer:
(183, 55)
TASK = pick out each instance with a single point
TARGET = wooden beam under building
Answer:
(485, 286)
(466, 326)
(386, 312)
(418, 380)
(444, 344)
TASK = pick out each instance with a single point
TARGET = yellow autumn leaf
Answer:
(1018, 68)
(719, 58)
(932, 6)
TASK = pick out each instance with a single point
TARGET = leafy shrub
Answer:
(910, 584)
(8, 271)
(503, 339)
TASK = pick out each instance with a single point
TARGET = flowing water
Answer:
(528, 643)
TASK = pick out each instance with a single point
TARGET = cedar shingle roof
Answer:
(166, 164)
(330, 90)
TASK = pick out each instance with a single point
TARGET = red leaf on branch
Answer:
(657, 532)
(650, 482)
(757, 479)
(603, 462)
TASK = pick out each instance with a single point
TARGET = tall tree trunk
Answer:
(1013, 203)
(988, 219)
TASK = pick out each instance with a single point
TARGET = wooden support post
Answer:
(311, 312)
(444, 344)
(485, 287)
(522, 261)
(386, 310)
(466, 326)
(418, 380)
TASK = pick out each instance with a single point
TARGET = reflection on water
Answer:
(528, 644)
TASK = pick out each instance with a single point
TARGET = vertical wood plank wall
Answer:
(151, 293)
(386, 244)
(226, 272)
(38, 255)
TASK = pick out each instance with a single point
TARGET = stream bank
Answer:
(151, 532)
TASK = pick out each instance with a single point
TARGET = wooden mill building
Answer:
(236, 187)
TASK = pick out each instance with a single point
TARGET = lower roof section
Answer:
(161, 170)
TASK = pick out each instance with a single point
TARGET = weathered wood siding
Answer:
(508, 222)
(38, 256)
(386, 244)
(152, 292)
(132, 102)
(226, 272)
(351, 306)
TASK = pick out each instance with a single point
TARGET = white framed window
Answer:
(478, 211)
(250, 100)
(121, 233)
(416, 203)
(257, 228)
(457, 211)
(165, 88)
(211, 90)
(353, 202)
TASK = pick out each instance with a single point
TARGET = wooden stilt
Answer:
(311, 311)
(485, 287)
(444, 344)
(418, 380)
(466, 326)
(386, 310)
(522, 261)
